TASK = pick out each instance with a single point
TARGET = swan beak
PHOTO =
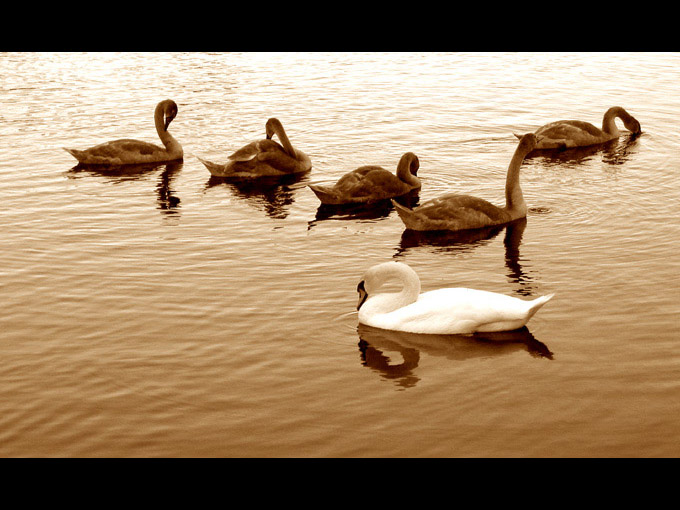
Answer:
(168, 120)
(362, 294)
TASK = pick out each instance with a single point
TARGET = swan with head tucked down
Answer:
(565, 134)
(445, 311)
(453, 211)
(134, 152)
(263, 158)
(372, 183)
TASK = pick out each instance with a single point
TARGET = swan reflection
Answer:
(615, 152)
(273, 194)
(467, 240)
(374, 343)
(372, 211)
(168, 202)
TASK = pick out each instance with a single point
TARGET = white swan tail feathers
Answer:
(518, 136)
(537, 304)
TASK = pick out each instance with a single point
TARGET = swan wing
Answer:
(568, 133)
(255, 149)
(120, 152)
(459, 311)
(452, 212)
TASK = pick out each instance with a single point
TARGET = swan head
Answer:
(529, 142)
(361, 289)
(412, 161)
(169, 111)
(632, 124)
(379, 274)
(272, 126)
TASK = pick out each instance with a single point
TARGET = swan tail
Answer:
(75, 153)
(214, 168)
(408, 216)
(537, 304)
(325, 194)
(518, 136)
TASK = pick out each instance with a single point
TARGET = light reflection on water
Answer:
(147, 308)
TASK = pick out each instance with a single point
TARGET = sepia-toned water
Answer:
(161, 313)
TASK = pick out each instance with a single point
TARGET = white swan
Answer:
(372, 183)
(454, 211)
(135, 152)
(443, 311)
(564, 134)
(263, 158)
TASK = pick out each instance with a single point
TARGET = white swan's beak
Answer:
(362, 294)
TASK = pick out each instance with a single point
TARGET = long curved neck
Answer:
(285, 142)
(404, 172)
(609, 120)
(168, 140)
(390, 301)
(514, 199)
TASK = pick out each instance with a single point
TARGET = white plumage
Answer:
(442, 311)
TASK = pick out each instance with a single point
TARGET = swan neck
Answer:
(168, 140)
(390, 301)
(609, 120)
(404, 172)
(514, 199)
(285, 142)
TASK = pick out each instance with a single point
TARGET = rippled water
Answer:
(161, 313)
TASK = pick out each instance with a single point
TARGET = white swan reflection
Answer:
(376, 344)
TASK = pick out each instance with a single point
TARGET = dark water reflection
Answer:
(168, 202)
(372, 211)
(373, 343)
(466, 240)
(615, 152)
(273, 195)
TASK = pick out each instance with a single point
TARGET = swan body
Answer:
(443, 311)
(263, 157)
(565, 134)
(371, 183)
(134, 152)
(454, 211)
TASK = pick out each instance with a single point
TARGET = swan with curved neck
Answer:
(133, 152)
(445, 311)
(461, 212)
(372, 183)
(263, 158)
(565, 134)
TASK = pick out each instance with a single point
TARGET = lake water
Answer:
(165, 314)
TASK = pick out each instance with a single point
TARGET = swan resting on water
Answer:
(565, 134)
(454, 211)
(370, 183)
(442, 311)
(134, 152)
(263, 158)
